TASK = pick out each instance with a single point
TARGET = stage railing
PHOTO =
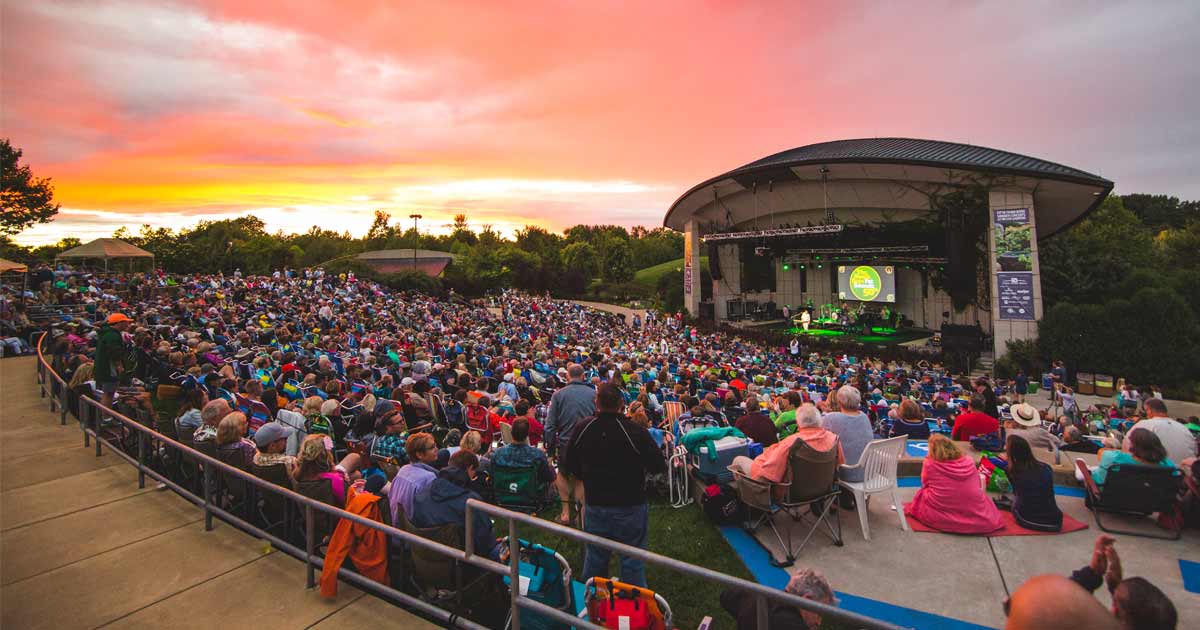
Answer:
(54, 388)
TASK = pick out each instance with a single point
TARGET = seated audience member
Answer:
(1033, 486)
(389, 432)
(974, 422)
(1175, 437)
(1027, 423)
(536, 429)
(445, 502)
(773, 465)
(755, 424)
(1136, 603)
(1075, 441)
(189, 412)
(1144, 448)
(315, 461)
(415, 476)
(910, 421)
(951, 498)
(211, 415)
(1053, 602)
(451, 442)
(271, 439)
(785, 420)
(851, 425)
(743, 606)
(231, 435)
(520, 454)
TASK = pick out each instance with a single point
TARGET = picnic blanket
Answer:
(1010, 527)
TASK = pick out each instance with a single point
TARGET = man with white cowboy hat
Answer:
(1026, 422)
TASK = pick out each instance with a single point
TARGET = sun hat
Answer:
(1025, 415)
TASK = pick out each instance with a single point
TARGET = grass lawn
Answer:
(684, 534)
(649, 276)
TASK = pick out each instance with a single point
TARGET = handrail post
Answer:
(96, 422)
(208, 517)
(62, 406)
(141, 460)
(86, 421)
(763, 622)
(310, 545)
(514, 572)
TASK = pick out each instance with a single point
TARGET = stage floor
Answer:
(879, 335)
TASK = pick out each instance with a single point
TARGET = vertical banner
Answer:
(687, 265)
(1013, 238)
(1015, 294)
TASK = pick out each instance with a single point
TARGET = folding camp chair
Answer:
(809, 498)
(1133, 490)
(235, 492)
(545, 576)
(518, 488)
(442, 580)
(672, 409)
(272, 507)
(615, 604)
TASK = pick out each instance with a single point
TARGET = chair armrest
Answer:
(1089, 483)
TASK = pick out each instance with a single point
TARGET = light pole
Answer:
(416, 235)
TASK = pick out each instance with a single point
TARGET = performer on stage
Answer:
(805, 320)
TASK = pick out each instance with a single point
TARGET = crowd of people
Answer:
(422, 402)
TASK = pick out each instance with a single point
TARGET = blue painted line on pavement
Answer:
(758, 561)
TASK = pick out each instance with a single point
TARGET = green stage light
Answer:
(819, 266)
(801, 266)
(785, 267)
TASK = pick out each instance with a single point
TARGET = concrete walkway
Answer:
(82, 547)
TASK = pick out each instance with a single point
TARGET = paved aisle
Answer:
(82, 547)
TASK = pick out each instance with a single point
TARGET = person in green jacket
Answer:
(110, 356)
(785, 420)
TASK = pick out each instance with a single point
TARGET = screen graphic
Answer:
(867, 283)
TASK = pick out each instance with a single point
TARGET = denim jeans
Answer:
(622, 524)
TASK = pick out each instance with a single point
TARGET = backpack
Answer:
(721, 505)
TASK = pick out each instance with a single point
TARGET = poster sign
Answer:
(1013, 239)
(687, 265)
(1015, 294)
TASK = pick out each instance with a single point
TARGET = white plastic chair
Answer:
(878, 465)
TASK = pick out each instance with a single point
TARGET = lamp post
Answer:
(417, 235)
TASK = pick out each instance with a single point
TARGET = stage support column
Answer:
(691, 268)
(1014, 271)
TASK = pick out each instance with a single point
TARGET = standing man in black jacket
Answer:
(612, 456)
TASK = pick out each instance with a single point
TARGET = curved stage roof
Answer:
(884, 174)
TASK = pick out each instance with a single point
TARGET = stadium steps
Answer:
(82, 546)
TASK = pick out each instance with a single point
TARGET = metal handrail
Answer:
(210, 466)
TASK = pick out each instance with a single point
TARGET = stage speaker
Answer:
(714, 261)
(734, 309)
(961, 256)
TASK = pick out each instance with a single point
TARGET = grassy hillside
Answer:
(649, 276)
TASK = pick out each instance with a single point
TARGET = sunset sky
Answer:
(554, 114)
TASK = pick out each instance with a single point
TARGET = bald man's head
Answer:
(1053, 602)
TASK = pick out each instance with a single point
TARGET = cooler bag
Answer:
(716, 469)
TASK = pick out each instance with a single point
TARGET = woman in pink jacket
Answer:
(951, 498)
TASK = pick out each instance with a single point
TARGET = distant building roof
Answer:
(405, 254)
(106, 248)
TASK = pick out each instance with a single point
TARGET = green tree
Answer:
(616, 259)
(581, 257)
(1080, 264)
(24, 199)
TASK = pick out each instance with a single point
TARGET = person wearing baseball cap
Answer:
(111, 356)
(271, 440)
(1025, 421)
